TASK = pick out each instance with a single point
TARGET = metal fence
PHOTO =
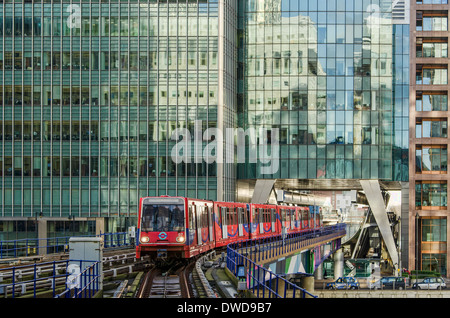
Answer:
(54, 279)
(84, 284)
(52, 245)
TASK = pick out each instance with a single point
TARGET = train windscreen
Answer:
(162, 217)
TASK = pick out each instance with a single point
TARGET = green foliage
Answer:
(424, 274)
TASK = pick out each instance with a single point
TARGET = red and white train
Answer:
(178, 227)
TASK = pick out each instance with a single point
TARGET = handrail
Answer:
(240, 253)
(88, 283)
(89, 278)
(31, 246)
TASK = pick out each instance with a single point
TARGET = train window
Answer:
(191, 218)
(305, 215)
(244, 216)
(163, 217)
(223, 215)
(273, 219)
(232, 216)
(198, 223)
(240, 216)
(254, 215)
(204, 217)
(201, 222)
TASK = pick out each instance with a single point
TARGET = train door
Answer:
(305, 218)
(297, 219)
(261, 220)
(283, 219)
(273, 217)
(191, 217)
(316, 217)
(205, 223)
(320, 211)
(223, 218)
(210, 223)
(253, 220)
(291, 219)
(198, 212)
(240, 212)
(294, 219)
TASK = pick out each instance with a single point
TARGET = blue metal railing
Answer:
(261, 281)
(18, 280)
(52, 245)
(87, 283)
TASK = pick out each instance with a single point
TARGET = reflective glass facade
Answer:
(92, 91)
(88, 105)
(333, 77)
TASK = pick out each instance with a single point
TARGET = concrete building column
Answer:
(318, 274)
(338, 263)
(99, 225)
(42, 236)
(307, 283)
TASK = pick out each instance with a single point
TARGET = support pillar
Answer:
(99, 226)
(42, 236)
(376, 203)
(307, 283)
(338, 263)
(318, 274)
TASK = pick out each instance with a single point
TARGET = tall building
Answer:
(91, 93)
(332, 77)
(428, 152)
(325, 75)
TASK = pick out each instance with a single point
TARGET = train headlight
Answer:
(181, 238)
(145, 239)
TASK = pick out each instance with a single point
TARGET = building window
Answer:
(431, 159)
(431, 21)
(431, 195)
(431, 101)
(431, 75)
(431, 127)
(432, 48)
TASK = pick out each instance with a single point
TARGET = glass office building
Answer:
(90, 94)
(332, 77)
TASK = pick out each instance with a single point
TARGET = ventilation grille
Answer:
(400, 11)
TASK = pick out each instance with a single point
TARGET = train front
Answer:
(162, 228)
